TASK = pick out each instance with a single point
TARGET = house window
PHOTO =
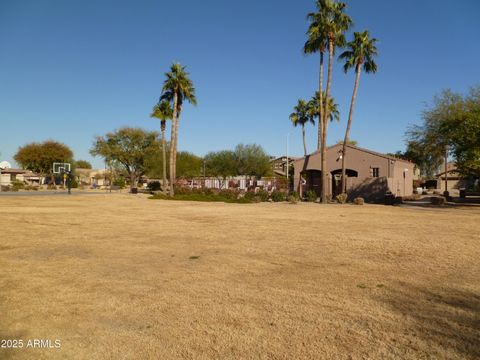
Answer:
(13, 177)
(375, 172)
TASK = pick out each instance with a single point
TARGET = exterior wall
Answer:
(390, 173)
(402, 181)
(9, 175)
(5, 179)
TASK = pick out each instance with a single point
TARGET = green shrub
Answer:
(358, 201)
(17, 185)
(295, 195)
(341, 198)
(198, 195)
(6, 187)
(311, 196)
(120, 182)
(277, 196)
(263, 195)
(154, 186)
(206, 191)
(229, 194)
(292, 199)
(181, 190)
(249, 195)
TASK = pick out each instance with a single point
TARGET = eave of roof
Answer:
(364, 150)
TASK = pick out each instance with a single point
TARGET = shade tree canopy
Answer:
(188, 165)
(248, 160)
(452, 123)
(40, 156)
(130, 147)
(252, 160)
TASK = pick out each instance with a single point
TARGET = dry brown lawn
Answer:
(123, 277)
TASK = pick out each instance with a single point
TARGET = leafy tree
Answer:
(164, 112)
(176, 89)
(301, 116)
(248, 160)
(83, 164)
(221, 164)
(252, 160)
(427, 161)
(39, 157)
(452, 120)
(130, 147)
(188, 165)
(359, 55)
(329, 22)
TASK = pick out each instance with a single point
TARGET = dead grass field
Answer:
(123, 277)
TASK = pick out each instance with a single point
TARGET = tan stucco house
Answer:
(369, 174)
(28, 177)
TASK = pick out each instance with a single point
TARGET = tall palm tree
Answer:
(332, 107)
(164, 112)
(176, 89)
(359, 54)
(301, 116)
(317, 42)
(333, 23)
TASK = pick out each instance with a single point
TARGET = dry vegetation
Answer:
(123, 277)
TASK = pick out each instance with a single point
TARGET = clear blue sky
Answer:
(70, 70)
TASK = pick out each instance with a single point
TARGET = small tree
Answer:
(130, 147)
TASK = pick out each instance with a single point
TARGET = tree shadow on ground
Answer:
(447, 319)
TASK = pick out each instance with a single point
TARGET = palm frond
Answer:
(360, 51)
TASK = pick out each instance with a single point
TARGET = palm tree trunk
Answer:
(304, 141)
(349, 123)
(176, 142)
(164, 162)
(172, 144)
(320, 107)
(325, 117)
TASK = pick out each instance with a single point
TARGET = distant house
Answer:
(279, 164)
(369, 174)
(99, 177)
(455, 180)
(26, 176)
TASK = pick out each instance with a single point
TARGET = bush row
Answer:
(235, 196)
(230, 196)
